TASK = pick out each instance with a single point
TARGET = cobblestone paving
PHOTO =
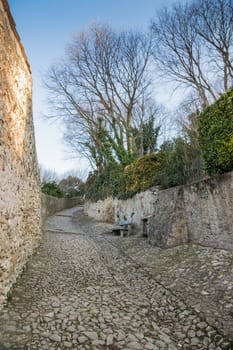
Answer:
(86, 289)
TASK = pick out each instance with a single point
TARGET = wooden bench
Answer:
(122, 229)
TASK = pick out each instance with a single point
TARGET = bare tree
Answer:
(72, 186)
(214, 24)
(103, 77)
(187, 119)
(193, 46)
(48, 175)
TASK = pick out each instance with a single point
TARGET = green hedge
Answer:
(216, 134)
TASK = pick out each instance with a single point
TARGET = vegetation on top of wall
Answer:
(68, 185)
(174, 164)
(123, 182)
(142, 173)
(216, 134)
(72, 186)
(179, 163)
(109, 182)
(52, 189)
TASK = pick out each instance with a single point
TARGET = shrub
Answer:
(123, 183)
(108, 183)
(178, 163)
(216, 134)
(141, 174)
(52, 189)
(72, 186)
(173, 159)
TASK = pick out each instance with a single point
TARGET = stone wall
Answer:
(167, 226)
(101, 210)
(208, 208)
(133, 209)
(199, 213)
(50, 205)
(19, 183)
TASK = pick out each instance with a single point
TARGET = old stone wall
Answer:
(50, 205)
(19, 183)
(199, 213)
(208, 208)
(101, 210)
(115, 210)
(167, 225)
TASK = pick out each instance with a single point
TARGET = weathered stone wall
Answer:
(167, 226)
(208, 208)
(199, 213)
(19, 183)
(50, 205)
(101, 210)
(133, 209)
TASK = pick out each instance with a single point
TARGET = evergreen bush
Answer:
(215, 125)
(141, 174)
(52, 189)
(109, 182)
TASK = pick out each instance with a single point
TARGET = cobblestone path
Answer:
(86, 289)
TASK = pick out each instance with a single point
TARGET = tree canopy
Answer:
(98, 89)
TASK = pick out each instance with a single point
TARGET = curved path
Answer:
(86, 289)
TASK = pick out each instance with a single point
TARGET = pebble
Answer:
(91, 335)
(82, 339)
(55, 337)
(134, 345)
(109, 340)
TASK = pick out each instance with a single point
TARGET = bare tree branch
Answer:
(193, 46)
(103, 77)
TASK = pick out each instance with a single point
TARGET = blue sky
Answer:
(45, 28)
